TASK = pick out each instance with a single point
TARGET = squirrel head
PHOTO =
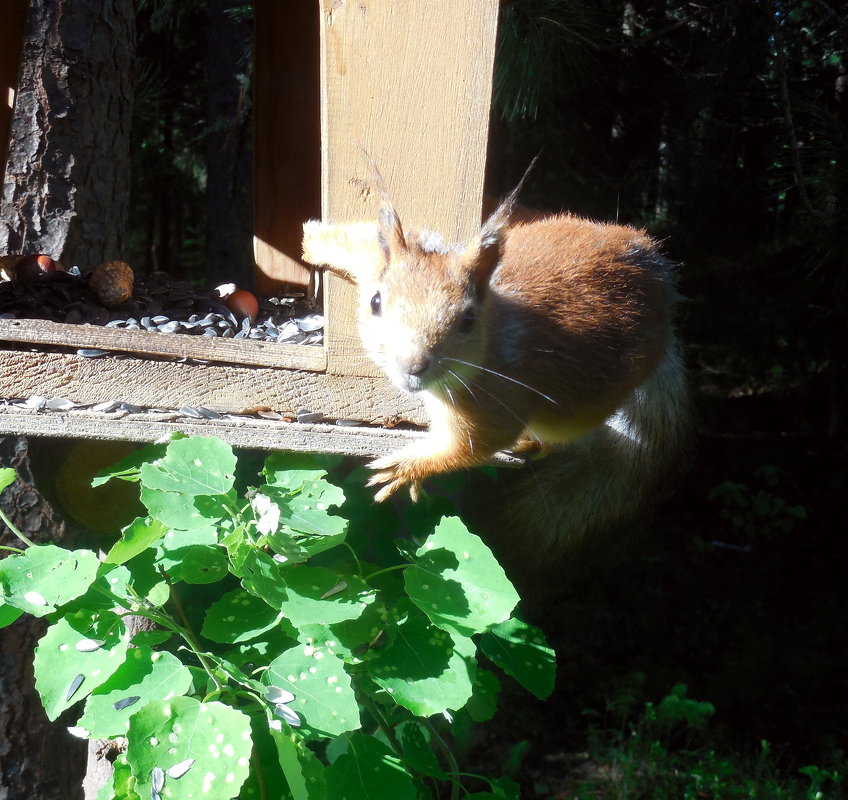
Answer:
(422, 300)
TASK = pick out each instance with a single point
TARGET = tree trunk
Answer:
(66, 191)
(38, 759)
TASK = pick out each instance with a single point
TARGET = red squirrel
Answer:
(550, 334)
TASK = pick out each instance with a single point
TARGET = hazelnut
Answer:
(112, 282)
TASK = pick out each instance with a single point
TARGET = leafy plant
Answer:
(760, 512)
(662, 753)
(275, 661)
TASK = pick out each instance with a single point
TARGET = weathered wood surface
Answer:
(231, 351)
(259, 434)
(410, 84)
(249, 433)
(171, 385)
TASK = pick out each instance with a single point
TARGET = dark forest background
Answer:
(721, 127)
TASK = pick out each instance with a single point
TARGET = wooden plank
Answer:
(286, 160)
(231, 351)
(12, 19)
(171, 385)
(410, 83)
(249, 433)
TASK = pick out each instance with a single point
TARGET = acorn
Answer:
(27, 268)
(112, 282)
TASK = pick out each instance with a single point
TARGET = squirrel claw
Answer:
(391, 478)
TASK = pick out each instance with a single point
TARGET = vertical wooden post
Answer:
(286, 137)
(410, 84)
(12, 19)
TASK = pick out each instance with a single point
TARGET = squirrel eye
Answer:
(467, 320)
(376, 305)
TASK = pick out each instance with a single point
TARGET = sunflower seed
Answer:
(74, 685)
(125, 702)
(89, 645)
(59, 404)
(178, 770)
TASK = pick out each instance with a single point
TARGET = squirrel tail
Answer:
(572, 502)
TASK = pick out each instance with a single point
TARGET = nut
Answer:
(112, 282)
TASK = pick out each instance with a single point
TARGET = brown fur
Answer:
(571, 316)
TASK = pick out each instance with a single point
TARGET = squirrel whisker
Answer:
(501, 375)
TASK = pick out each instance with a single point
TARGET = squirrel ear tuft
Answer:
(497, 222)
(391, 231)
(349, 249)
(485, 252)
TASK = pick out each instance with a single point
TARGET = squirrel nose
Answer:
(416, 365)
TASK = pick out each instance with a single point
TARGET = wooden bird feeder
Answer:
(409, 83)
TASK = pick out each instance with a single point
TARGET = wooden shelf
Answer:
(260, 434)
(232, 351)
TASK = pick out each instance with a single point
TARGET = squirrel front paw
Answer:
(395, 472)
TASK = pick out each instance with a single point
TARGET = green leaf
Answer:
(367, 771)
(304, 772)
(319, 595)
(367, 635)
(143, 581)
(521, 651)
(266, 780)
(261, 576)
(192, 555)
(417, 753)
(145, 675)
(65, 653)
(457, 582)
(308, 512)
(46, 577)
(7, 477)
(141, 533)
(290, 471)
(8, 614)
(183, 511)
(426, 669)
(285, 544)
(168, 733)
(324, 698)
(127, 468)
(150, 638)
(121, 783)
(196, 466)
(238, 617)
(484, 701)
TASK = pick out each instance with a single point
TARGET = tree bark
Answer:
(38, 759)
(66, 190)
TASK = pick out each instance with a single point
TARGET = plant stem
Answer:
(453, 767)
(387, 569)
(355, 558)
(14, 529)
(381, 721)
(12, 549)
(188, 634)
